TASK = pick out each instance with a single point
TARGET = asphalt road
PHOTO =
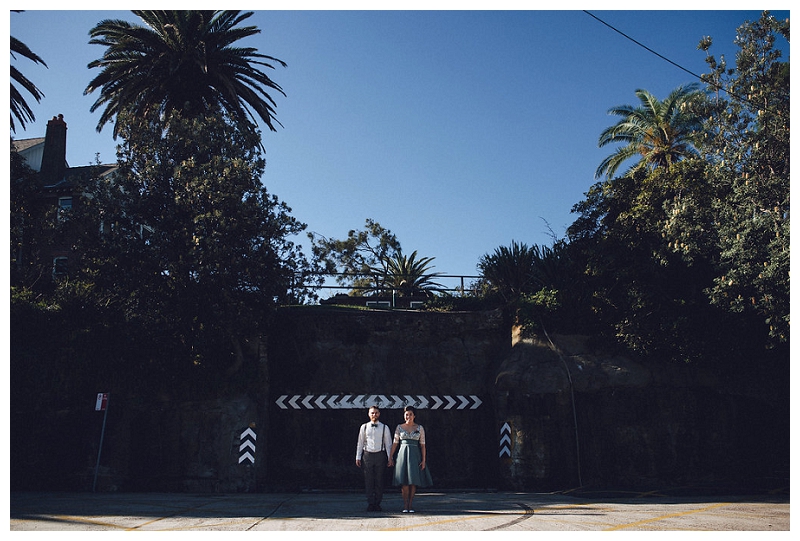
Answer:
(435, 511)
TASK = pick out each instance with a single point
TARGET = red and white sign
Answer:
(102, 402)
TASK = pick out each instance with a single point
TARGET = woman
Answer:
(410, 470)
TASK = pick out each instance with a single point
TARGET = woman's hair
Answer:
(411, 409)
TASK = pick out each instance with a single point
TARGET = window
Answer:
(59, 267)
(64, 206)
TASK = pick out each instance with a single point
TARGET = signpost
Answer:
(100, 405)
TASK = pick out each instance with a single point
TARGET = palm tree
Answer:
(19, 107)
(511, 270)
(661, 132)
(408, 275)
(181, 61)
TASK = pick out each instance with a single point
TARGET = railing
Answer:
(458, 283)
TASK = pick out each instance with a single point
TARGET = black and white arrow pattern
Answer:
(383, 401)
(247, 446)
(505, 440)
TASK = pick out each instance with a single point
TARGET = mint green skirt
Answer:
(406, 467)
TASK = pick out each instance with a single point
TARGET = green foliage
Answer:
(187, 242)
(407, 275)
(33, 226)
(359, 260)
(511, 270)
(372, 261)
(659, 132)
(534, 284)
(749, 144)
(683, 258)
(19, 107)
(181, 61)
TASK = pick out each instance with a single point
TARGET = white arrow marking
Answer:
(333, 401)
(247, 456)
(505, 428)
(505, 439)
(248, 432)
(247, 444)
(506, 451)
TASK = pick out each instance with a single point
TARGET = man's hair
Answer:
(374, 407)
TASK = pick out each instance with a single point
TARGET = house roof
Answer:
(25, 144)
(75, 174)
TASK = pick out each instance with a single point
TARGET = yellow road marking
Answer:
(663, 517)
(426, 524)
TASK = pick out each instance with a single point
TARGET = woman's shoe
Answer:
(405, 510)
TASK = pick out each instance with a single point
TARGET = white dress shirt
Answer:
(374, 438)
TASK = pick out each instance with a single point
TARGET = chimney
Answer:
(54, 157)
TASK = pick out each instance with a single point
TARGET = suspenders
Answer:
(383, 440)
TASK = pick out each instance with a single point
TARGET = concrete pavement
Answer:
(435, 511)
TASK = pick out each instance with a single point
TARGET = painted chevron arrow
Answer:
(505, 440)
(384, 401)
(247, 446)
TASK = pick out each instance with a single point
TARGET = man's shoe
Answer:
(370, 507)
(378, 508)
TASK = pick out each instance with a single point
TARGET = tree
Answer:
(684, 260)
(181, 61)
(748, 144)
(357, 261)
(33, 226)
(511, 270)
(407, 275)
(188, 242)
(660, 132)
(19, 107)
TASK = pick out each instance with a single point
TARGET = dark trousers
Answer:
(374, 465)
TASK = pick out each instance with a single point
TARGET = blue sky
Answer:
(460, 131)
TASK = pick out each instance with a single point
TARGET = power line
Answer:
(626, 36)
(693, 74)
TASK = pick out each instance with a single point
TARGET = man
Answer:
(373, 449)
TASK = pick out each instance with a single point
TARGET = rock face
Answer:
(501, 411)
(582, 419)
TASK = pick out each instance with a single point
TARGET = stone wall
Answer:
(573, 418)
